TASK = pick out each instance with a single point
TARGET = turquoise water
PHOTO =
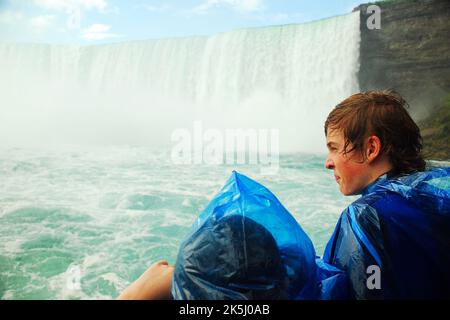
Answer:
(110, 212)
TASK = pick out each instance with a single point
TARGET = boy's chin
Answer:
(348, 192)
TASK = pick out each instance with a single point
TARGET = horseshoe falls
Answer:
(90, 196)
(285, 77)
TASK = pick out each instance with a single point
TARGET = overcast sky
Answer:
(100, 21)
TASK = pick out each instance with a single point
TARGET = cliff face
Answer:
(410, 53)
(436, 132)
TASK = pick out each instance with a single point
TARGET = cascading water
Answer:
(286, 77)
(84, 221)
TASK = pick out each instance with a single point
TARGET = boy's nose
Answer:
(329, 164)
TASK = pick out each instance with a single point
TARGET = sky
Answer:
(102, 21)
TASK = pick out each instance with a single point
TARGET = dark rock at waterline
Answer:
(411, 54)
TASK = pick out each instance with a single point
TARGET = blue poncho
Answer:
(402, 226)
(241, 228)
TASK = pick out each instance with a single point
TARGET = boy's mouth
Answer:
(337, 178)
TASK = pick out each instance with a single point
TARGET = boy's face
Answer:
(350, 170)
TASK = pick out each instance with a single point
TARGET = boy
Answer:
(394, 241)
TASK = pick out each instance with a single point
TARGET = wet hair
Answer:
(383, 114)
(233, 257)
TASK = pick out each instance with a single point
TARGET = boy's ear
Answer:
(373, 148)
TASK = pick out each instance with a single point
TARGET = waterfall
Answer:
(285, 77)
